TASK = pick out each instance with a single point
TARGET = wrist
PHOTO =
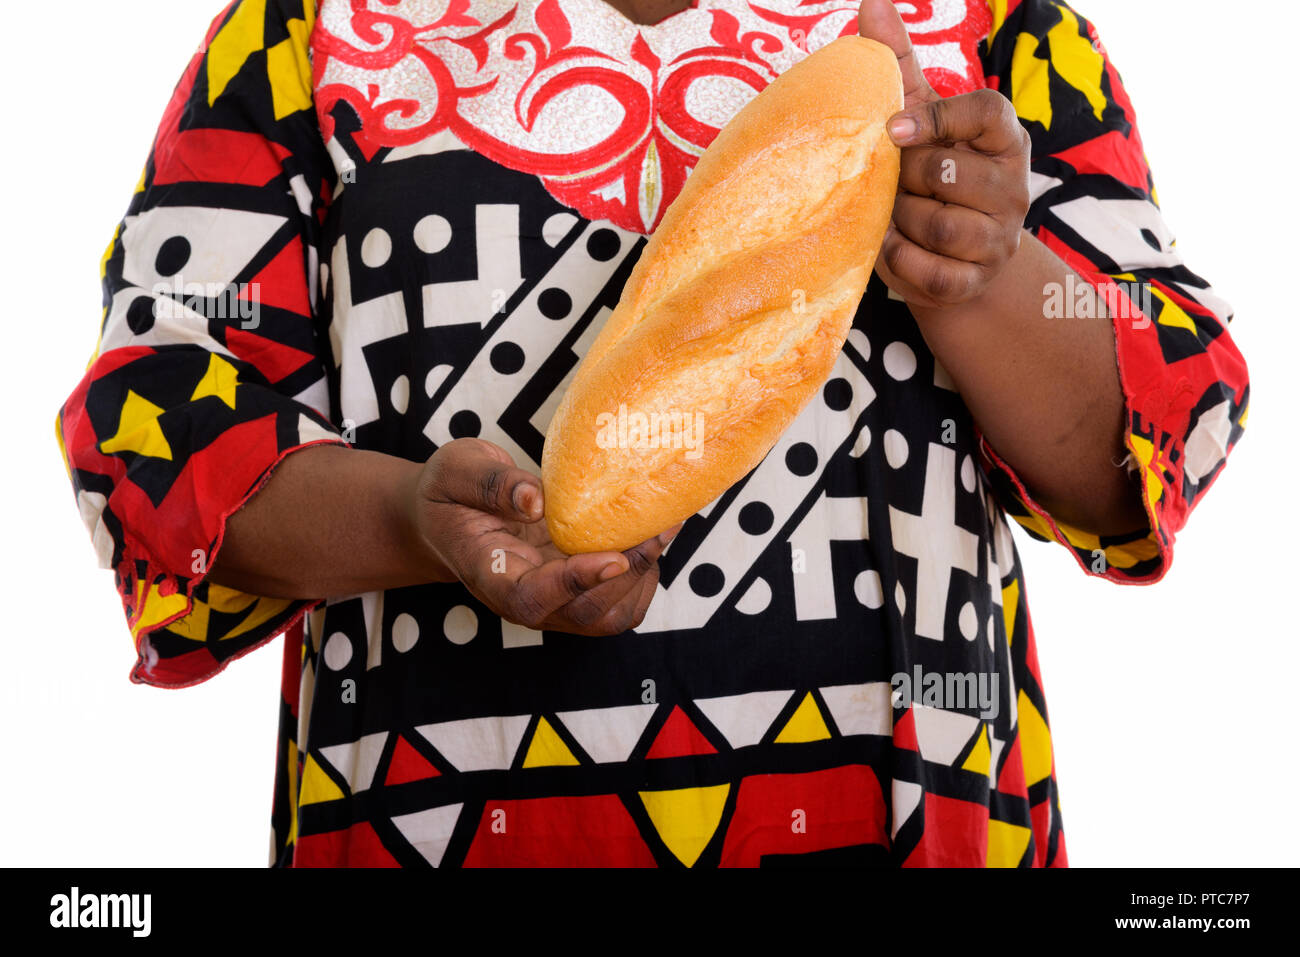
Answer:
(420, 548)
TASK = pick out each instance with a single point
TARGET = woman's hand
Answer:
(480, 516)
(963, 196)
(963, 183)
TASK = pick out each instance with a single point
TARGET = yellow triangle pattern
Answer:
(686, 819)
(220, 380)
(980, 755)
(547, 749)
(317, 786)
(1035, 741)
(806, 724)
(1010, 600)
(138, 431)
(1007, 843)
(1173, 314)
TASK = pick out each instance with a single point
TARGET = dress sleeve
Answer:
(209, 368)
(1186, 387)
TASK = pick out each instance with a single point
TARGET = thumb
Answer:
(478, 474)
(879, 20)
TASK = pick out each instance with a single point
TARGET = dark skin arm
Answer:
(1046, 393)
(467, 514)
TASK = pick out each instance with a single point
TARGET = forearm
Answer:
(1045, 392)
(329, 521)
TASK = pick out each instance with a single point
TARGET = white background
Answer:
(1172, 707)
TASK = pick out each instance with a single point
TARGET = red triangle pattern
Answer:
(679, 737)
(407, 765)
(282, 283)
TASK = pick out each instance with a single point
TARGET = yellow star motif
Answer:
(138, 430)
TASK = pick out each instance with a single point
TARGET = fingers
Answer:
(954, 175)
(927, 278)
(985, 119)
(600, 593)
(531, 595)
(962, 201)
(477, 474)
(630, 612)
(954, 231)
(620, 603)
(879, 20)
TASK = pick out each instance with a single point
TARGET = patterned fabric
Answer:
(392, 224)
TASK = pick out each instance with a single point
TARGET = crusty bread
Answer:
(733, 317)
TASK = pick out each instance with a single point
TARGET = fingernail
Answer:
(903, 128)
(612, 570)
(525, 498)
(669, 535)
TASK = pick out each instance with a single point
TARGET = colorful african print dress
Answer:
(391, 224)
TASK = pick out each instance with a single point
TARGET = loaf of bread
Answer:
(734, 315)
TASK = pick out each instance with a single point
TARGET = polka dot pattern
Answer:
(338, 651)
(900, 361)
(406, 632)
(460, 625)
(707, 580)
(603, 245)
(868, 590)
(554, 303)
(376, 248)
(432, 234)
(172, 257)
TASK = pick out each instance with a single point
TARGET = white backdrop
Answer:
(1172, 706)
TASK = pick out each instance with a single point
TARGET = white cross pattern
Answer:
(935, 540)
